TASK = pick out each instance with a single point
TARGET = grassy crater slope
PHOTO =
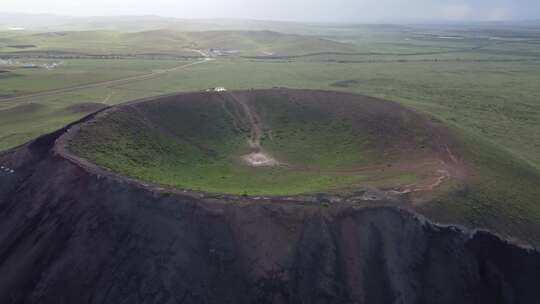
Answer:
(321, 141)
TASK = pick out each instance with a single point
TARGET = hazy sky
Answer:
(299, 10)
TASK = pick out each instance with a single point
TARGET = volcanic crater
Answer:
(101, 211)
(275, 142)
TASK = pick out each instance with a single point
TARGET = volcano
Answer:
(261, 196)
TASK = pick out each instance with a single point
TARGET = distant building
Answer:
(223, 52)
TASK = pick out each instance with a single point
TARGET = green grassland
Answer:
(21, 81)
(196, 145)
(313, 139)
(166, 42)
(486, 89)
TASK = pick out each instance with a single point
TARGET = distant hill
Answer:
(47, 22)
(50, 22)
(165, 41)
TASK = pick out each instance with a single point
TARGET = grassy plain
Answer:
(161, 43)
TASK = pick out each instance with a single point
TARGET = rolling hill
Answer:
(165, 41)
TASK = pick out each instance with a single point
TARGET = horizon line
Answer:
(404, 21)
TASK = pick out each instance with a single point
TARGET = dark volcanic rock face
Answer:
(69, 234)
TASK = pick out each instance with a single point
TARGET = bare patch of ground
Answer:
(260, 159)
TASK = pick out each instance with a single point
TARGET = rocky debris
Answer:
(6, 170)
(73, 234)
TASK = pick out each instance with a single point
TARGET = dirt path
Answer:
(107, 98)
(121, 81)
(253, 120)
(258, 157)
(203, 53)
(449, 167)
